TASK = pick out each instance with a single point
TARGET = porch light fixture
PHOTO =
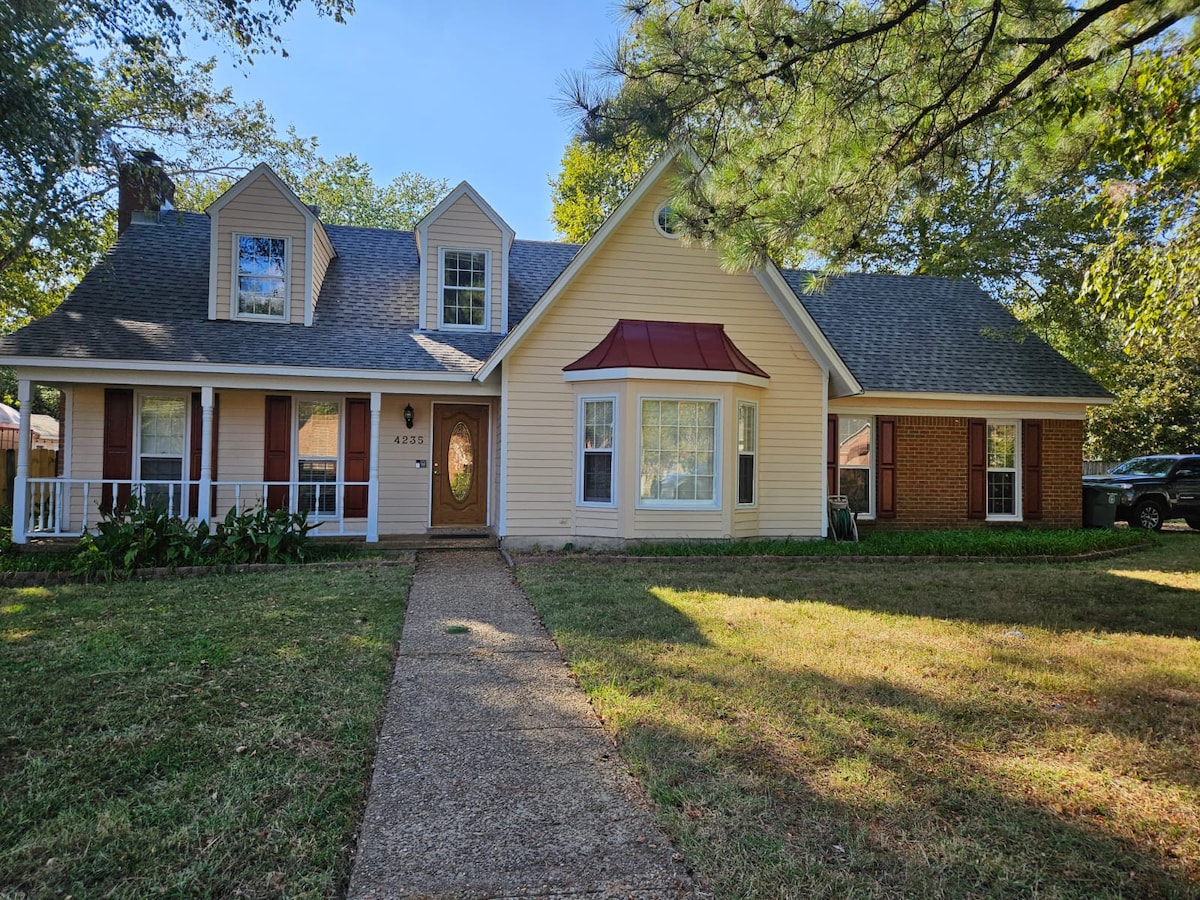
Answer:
(409, 415)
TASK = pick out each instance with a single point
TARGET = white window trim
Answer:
(614, 453)
(872, 468)
(718, 458)
(487, 289)
(738, 455)
(658, 215)
(339, 463)
(234, 312)
(181, 510)
(1017, 514)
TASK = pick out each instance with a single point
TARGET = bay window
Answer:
(747, 450)
(597, 429)
(678, 456)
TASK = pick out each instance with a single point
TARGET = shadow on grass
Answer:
(1146, 593)
(992, 765)
(785, 783)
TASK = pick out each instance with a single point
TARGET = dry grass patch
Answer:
(949, 730)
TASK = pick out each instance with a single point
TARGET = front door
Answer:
(460, 482)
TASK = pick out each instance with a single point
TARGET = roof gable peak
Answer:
(464, 189)
(262, 170)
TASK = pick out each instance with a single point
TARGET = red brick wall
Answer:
(931, 474)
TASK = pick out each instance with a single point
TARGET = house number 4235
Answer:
(409, 439)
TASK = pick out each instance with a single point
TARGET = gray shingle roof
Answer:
(941, 335)
(148, 300)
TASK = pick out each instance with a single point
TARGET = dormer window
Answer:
(262, 267)
(464, 288)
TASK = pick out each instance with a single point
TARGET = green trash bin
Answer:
(1100, 506)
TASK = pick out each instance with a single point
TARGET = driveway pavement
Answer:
(493, 777)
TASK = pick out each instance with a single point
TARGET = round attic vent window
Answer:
(664, 221)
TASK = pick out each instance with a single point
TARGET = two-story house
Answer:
(455, 377)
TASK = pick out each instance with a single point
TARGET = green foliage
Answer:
(344, 189)
(260, 536)
(1157, 406)
(1007, 543)
(82, 85)
(940, 137)
(591, 182)
(142, 536)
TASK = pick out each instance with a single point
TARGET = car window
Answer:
(1143, 465)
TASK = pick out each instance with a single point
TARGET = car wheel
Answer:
(1194, 523)
(1149, 515)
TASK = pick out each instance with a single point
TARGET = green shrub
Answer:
(261, 535)
(144, 536)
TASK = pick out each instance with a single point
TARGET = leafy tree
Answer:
(591, 182)
(85, 82)
(343, 188)
(814, 125)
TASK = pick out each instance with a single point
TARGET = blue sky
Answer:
(457, 89)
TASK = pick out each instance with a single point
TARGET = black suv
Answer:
(1154, 489)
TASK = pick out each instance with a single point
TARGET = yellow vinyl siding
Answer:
(322, 254)
(403, 488)
(464, 226)
(638, 274)
(261, 210)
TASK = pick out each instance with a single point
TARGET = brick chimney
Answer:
(143, 189)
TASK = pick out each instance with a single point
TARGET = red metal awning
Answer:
(637, 344)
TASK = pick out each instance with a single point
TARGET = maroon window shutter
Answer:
(117, 462)
(277, 451)
(831, 455)
(976, 468)
(358, 457)
(885, 448)
(197, 456)
(1031, 468)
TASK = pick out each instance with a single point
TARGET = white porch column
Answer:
(204, 502)
(20, 498)
(373, 486)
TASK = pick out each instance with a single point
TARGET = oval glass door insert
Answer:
(461, 462)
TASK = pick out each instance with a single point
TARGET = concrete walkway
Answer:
(493, 777)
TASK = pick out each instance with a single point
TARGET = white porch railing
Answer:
(69, 507)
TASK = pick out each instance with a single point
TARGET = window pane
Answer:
(464, 280)
(747, 428)
(854, 441)
(1002, 493)
(853, 483)
(157, 469)
(261, 275)
(678, 450)
(312, 498)
(1002, 446)
(163, 423)
(598, 424)
(317, 429)
(597, 477)
(745, 479)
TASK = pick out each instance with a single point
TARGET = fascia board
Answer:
(806, 328)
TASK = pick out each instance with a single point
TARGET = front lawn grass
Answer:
(208, 736)
(1005, 543)
(958, 730)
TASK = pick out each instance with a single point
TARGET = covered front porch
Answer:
(358, 463)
